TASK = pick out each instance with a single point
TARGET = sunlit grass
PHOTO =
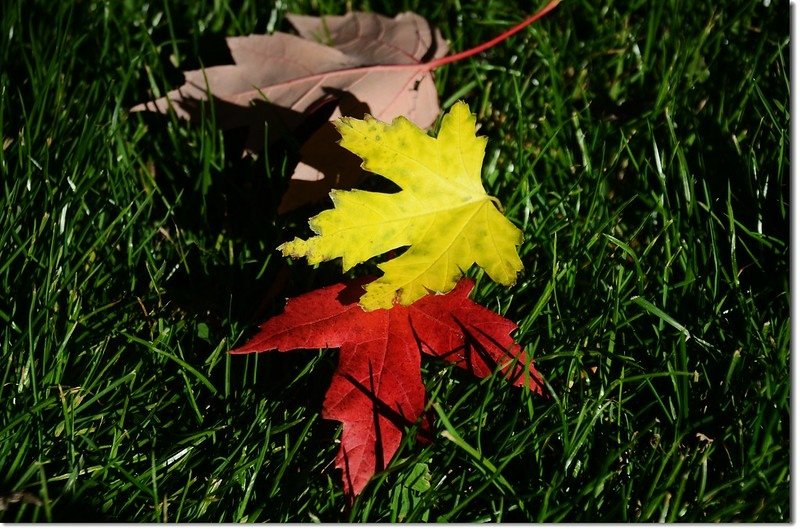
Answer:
(641, 146)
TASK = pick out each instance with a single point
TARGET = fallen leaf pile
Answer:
(375, 70)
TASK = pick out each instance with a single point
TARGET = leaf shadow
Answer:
(353, 290)
(323, 164)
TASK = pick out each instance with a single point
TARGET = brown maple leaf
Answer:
(359, 61)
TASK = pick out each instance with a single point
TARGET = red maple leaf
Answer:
(377, 389)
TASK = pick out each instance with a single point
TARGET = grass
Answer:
(641, 145)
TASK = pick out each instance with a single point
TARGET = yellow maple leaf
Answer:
(442, 212)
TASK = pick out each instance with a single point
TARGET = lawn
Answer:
(642, 147)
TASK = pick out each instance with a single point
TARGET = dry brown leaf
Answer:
(359, 63)
(363, 61)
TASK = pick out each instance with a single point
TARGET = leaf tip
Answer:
(377, 296)
(461, 112)
(297, 247)
(342, 122)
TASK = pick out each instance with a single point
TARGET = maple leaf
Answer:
(360, 62)
(297, 72)
(377, 390)
(442, 212)
(281, 78)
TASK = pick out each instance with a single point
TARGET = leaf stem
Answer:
(488, 44)
(496, 202)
